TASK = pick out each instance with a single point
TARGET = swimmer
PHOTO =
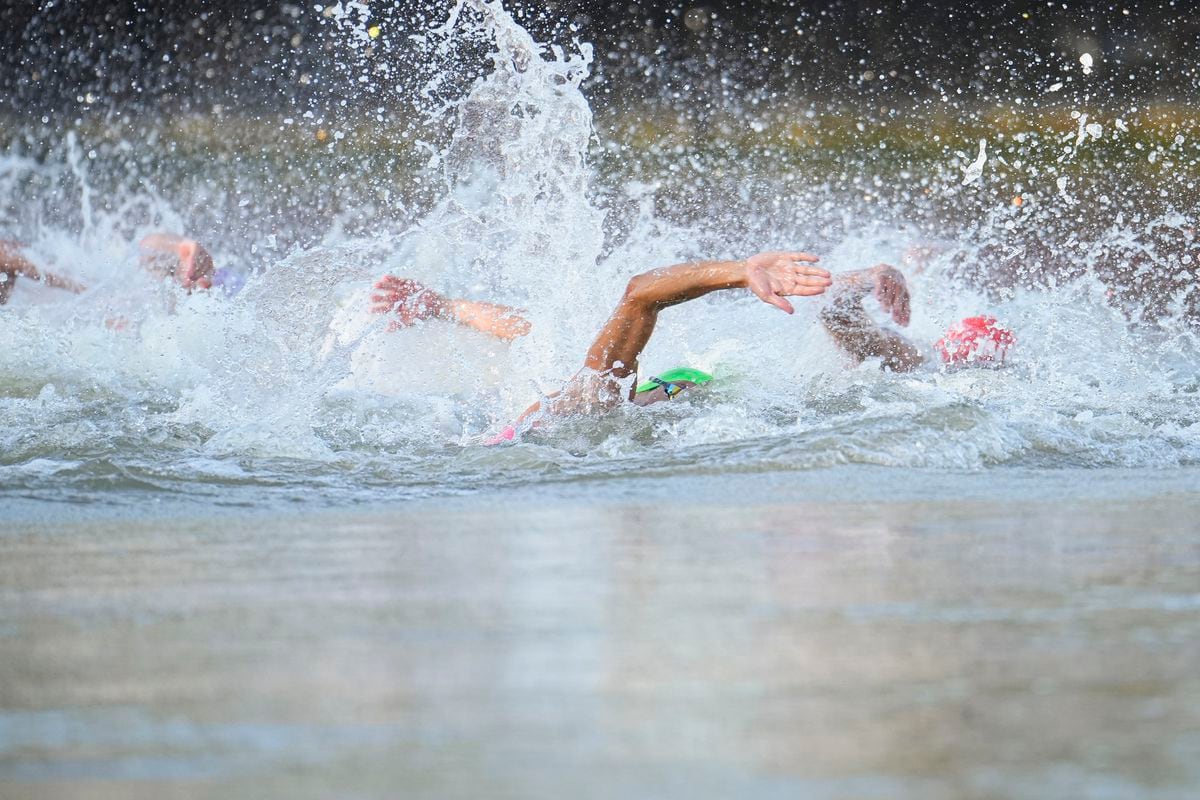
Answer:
(13, 265)
(171, 258)
(613, 357)
(975, 341)
(186, 262)
(178, 258)
(163, 255)
(772, 277)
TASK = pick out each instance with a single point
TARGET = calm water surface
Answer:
(840, 634)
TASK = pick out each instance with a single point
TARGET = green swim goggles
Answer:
(668, 379)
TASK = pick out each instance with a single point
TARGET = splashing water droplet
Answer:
(974, 170)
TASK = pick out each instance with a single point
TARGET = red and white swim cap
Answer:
(975, 340)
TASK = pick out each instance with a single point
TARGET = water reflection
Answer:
(907, 649)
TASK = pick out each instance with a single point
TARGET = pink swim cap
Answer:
(507, 435)
(975, 340)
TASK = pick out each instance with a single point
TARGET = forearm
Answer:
(616, 348)
(59, 282)
(853, 331)
(668, 286)
(13, 264)
(502, 322)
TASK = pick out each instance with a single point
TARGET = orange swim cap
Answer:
(975, 340)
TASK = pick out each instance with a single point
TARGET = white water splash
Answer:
(294, 382)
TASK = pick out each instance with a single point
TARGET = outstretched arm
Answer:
(410, 301)
(772, 277)
(12, 264)
(852, 329)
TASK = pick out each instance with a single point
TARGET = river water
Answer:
(836, 633)
(254, 541)
(292, 390)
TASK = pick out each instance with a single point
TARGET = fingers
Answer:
(900, 301)
(782, 258)
(393, 292)
(799, 262)
(805, 278)
(805, 257)
(892, 293)
(883, 294)
(383, 303)
(408, 300)
(391, 283)
(800, 282)
(780, 303)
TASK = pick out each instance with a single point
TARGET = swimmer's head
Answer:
(183, 260)
(976, 341)
(668, 390)
(669, 385)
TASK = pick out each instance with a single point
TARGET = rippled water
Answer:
(292, 390)
(1010, 634)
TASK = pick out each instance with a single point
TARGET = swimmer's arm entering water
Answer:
(772, 277)
(853, 330)
(410, 301)
(13, 264)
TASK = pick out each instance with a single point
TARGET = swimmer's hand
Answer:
(884, 281)
(775, 275)
(408, 301)
(891, 291)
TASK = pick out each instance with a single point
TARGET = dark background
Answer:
(264, 92)
(254, 55)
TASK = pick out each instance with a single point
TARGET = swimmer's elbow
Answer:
(640, 290)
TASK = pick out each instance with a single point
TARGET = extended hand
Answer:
(408, 300)
(776, 275)
(892, 292)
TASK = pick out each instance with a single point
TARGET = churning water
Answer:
(292, 389)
